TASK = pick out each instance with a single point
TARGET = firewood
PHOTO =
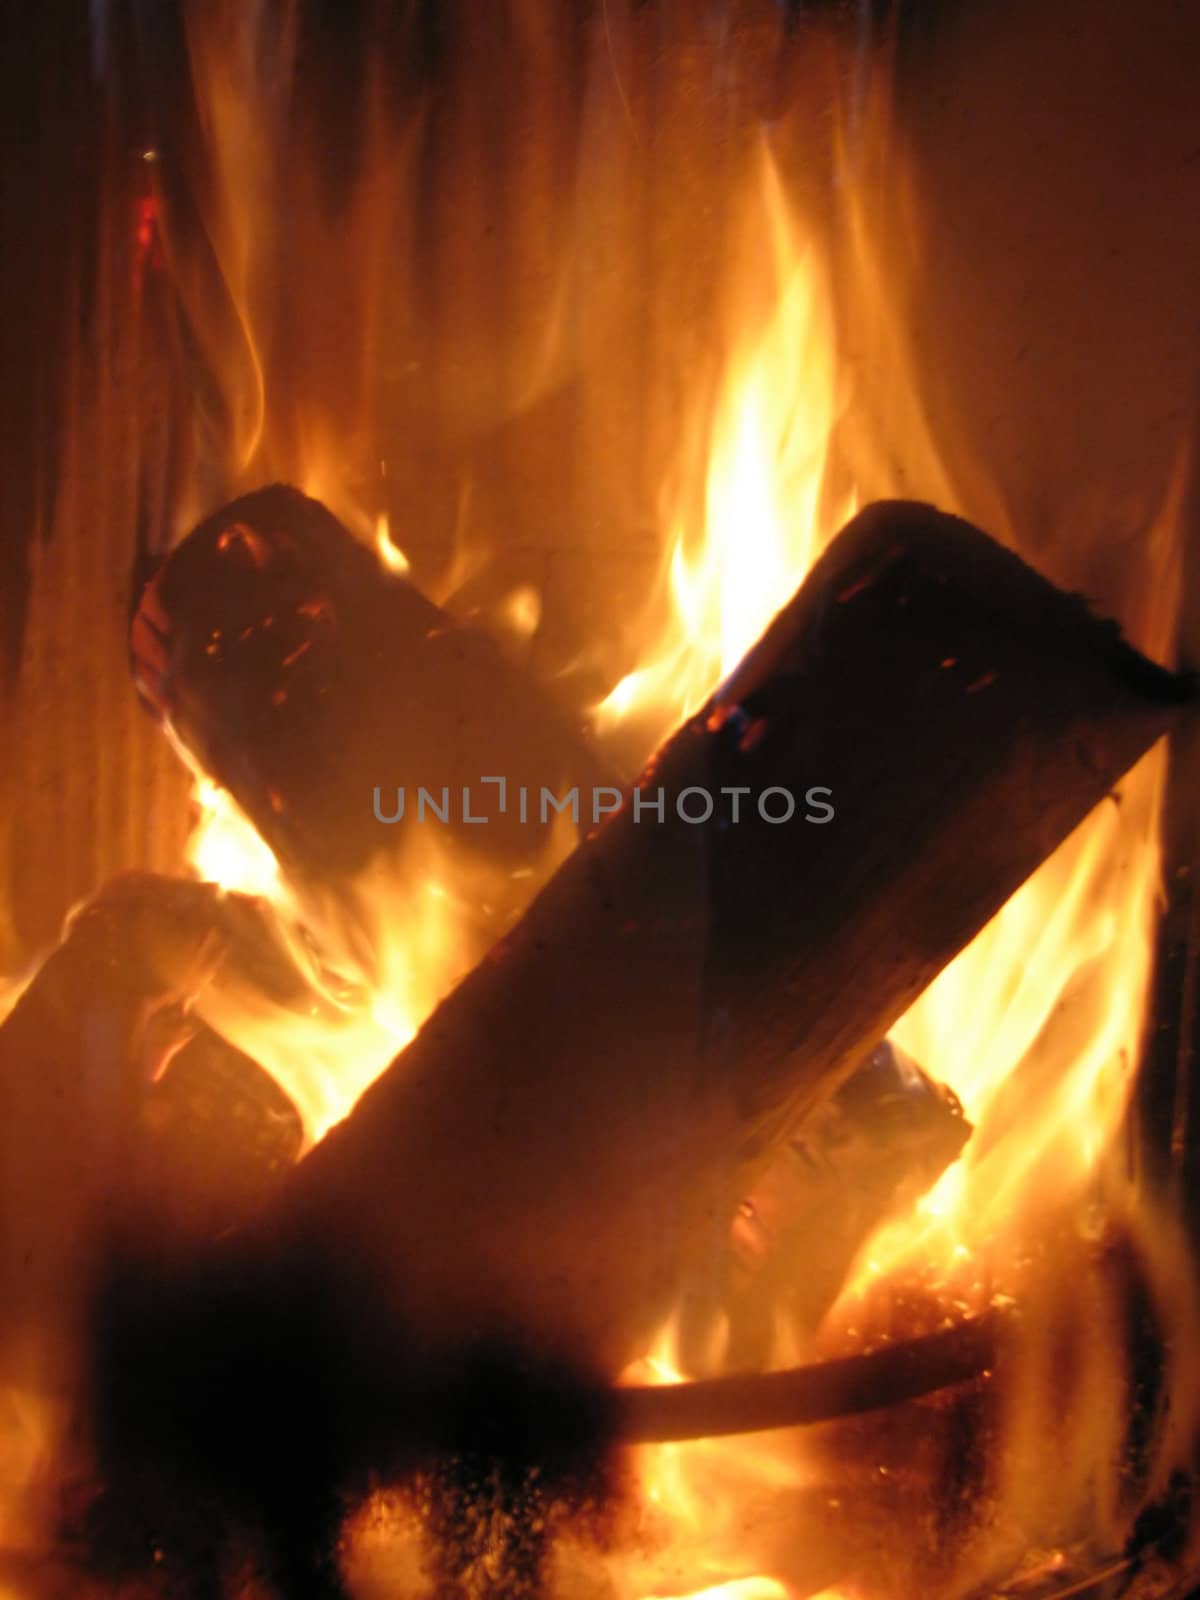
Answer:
(212, 648)
(303, 676)
(566, 1140)
(573, 1127)
(119, 1110)
(211, 644)
(862, 1156)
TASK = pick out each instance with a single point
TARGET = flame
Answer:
(373, 961)
(755, 1588)
(226, 848)
(12, 988)
(695, 1536)
(1036, 1026)
(391, 555)
(522, 611)
(32, 1430)
(764, 512)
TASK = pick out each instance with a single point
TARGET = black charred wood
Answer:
(119, 1111)
(862, 1156)
(302, 675)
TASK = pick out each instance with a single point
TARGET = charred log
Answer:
(578, 1118)
(575, 1123)
(567, 1138)
(862, 1156)
(302, 675)
(116, 1104)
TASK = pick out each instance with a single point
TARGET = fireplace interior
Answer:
(598, 949)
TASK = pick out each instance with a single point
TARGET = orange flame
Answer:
(391, 555)
(375, 960)
(1036, 1025)
(737, 552)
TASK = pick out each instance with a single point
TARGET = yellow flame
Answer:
(1036, 1025)
(763, 516)
(226, 848)
(391, 555)
(12, 988)
(695, 1534)
(754, 1588)
(373, 960)
(522, 611)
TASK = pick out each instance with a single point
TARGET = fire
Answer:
(391, 555)
(1037, 1026)
(12, 988)
(736, 1589)
(225, 847)
(738, 549)
(374, 961)
(31, 1430)
(696, 1538)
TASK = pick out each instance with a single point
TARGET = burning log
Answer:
(240, 641)
(575, 1123)
(860, 1157)
(580, 1116)
(302, 676)
(567, 1138)
(113, 1101)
